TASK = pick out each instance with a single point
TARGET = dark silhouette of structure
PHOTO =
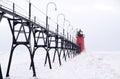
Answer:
(1, 77)
(28, 26)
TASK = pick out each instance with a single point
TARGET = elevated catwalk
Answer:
(27, 26)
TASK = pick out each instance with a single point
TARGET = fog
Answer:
(99, 20)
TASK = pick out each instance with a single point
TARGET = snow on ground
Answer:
(87, 65)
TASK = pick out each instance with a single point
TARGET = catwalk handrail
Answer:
(17, 14)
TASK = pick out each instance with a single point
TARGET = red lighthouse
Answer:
(80, 40)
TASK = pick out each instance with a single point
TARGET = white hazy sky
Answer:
(99, 20)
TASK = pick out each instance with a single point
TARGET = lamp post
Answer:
(68, 27)
(47, 27)
(72, 34)
(47, 37)
(63, 21)
(74, 39)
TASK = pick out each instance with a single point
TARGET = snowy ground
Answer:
(88, 65)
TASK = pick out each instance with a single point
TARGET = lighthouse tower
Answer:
(80, 40)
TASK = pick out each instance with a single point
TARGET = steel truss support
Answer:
(1, 15)
(63, 46)
(53, 38)
(21, 25)
(41, 34)
(47, 50)
(1, 77)
(70, 48)
(57, 51)
(67, 47)
(48, 57)
(56, 47)
(44, 34)
(17, 41)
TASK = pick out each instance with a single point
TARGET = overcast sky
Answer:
(99, 20)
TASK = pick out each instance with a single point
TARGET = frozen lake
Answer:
(87, 65)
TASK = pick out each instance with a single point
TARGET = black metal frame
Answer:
(66, 47)
(17, 42)
(1, 15)
(46, 36)
(24, 23)
(1, 76)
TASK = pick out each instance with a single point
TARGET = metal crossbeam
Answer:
(62, 46)
(16, 43)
